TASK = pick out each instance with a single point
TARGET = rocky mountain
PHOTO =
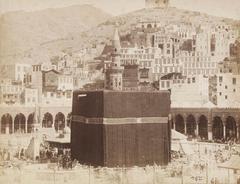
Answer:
(22, 31)
(167, 16)
(43, 34)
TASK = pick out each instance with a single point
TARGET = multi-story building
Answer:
(167, 81)
(197, 64)
(15, 72)
(190, 92)
(50, 80)
(168, 43)
(164, 65)
(31, 96)
(225, 86)
(11, 93)
(130, 78)
(65, 83)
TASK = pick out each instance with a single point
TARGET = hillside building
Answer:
(11, 93)
(15, 72)
(225, 86)
(156, 3)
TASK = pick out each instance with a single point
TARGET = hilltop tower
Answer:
(156, 3)
(114, 74)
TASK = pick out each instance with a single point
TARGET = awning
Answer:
(65, 140)
(177, 135)
(233, 163)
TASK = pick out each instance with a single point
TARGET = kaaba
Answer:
(120, 128)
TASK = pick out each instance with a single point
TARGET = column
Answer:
(174, 125)
(53, 123)
(224, 130)
(13, 118)
(197, 128)
(237, 131)
(1, 123)
(38, 121)
(26, 124)
(210, 135)
(66, 119)
(7, 127)
(185, 126)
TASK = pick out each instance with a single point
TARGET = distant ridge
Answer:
(22, 31)
(66, 28)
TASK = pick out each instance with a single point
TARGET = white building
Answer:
(31, 96)
(56, 99)
(192, 92)
(167, 81)
(65, 83)
(225, 86)
(15, 72)
(226, 90)
(11, 93)
(198, 64)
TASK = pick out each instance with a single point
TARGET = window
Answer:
(163, 84)
(234, 90)
(220, 79)
(193, 80)
(226, 87)
(234, 81)
(226, 97)
(168, 84)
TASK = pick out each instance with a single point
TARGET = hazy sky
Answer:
(225, 8)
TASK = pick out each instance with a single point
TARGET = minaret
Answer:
(113, 75)
(116, 49)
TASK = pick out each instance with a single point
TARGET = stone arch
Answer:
(6, 124)
(47, 121)
(203, 127)
(20, 123)
(59, 121)
(231, 128)
(191, 125)
(217, 128)
(30, 123)
(149, 26)
(179, 123)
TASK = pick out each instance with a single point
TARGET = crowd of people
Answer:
(60, 156)
(4, 155)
